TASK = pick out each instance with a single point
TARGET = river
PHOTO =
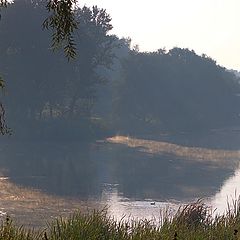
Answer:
(132, 177)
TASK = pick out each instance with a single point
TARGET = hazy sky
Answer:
(207, 26)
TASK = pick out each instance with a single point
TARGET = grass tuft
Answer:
(194, 221)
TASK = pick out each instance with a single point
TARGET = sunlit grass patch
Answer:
(218, 157)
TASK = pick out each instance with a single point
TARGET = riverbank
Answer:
(194, 221)
(217, 157)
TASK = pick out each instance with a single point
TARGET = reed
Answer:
(194, 221)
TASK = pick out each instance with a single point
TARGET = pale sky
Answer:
(206, 26)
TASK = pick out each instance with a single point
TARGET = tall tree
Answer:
(95, 45)
(63, 24)
(61, 21)
(42, 85)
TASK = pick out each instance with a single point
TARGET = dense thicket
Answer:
(175, 90)
(108, 88)
(47, 95)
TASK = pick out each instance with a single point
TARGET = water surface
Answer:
(133, 177)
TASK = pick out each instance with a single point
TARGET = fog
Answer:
(113, 126)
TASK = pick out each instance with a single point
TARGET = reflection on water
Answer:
(121, 207)
(43, 180)
(229, 192)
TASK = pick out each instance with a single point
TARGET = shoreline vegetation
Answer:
(111, 87)
(217, 157)
(192, 221)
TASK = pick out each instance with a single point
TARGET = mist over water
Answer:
(228, 194)
(131, 177)
(115, 127)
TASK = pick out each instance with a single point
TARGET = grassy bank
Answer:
(193, 221)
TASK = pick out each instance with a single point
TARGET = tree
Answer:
(63, 24)
(175, 91)
(61, 21)
(96, 47)
(42, 86)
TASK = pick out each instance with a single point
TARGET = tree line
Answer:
(176, 90)
(109, 87)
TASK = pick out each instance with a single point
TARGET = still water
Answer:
(133, 177)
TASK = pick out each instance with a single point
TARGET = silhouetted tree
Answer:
(42, 85)
(61, 20)
(63, 24)
(96, 47)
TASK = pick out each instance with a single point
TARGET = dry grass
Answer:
(213, 156)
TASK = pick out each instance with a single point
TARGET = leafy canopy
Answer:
(61, 21)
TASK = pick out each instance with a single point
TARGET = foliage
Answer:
(2, 84)
(43, 89)
(4, 129)
(175, 91)
(63, 23)
(8, 231)
(4, 3)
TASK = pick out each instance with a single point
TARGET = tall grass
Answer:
(8, 231)
(194, 221)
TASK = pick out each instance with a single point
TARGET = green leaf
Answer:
(63, 23)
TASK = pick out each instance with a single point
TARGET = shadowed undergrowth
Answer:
(193, 221)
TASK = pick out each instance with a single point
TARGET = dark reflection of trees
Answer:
(77, 169)
(144, 175)
(64, 169)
